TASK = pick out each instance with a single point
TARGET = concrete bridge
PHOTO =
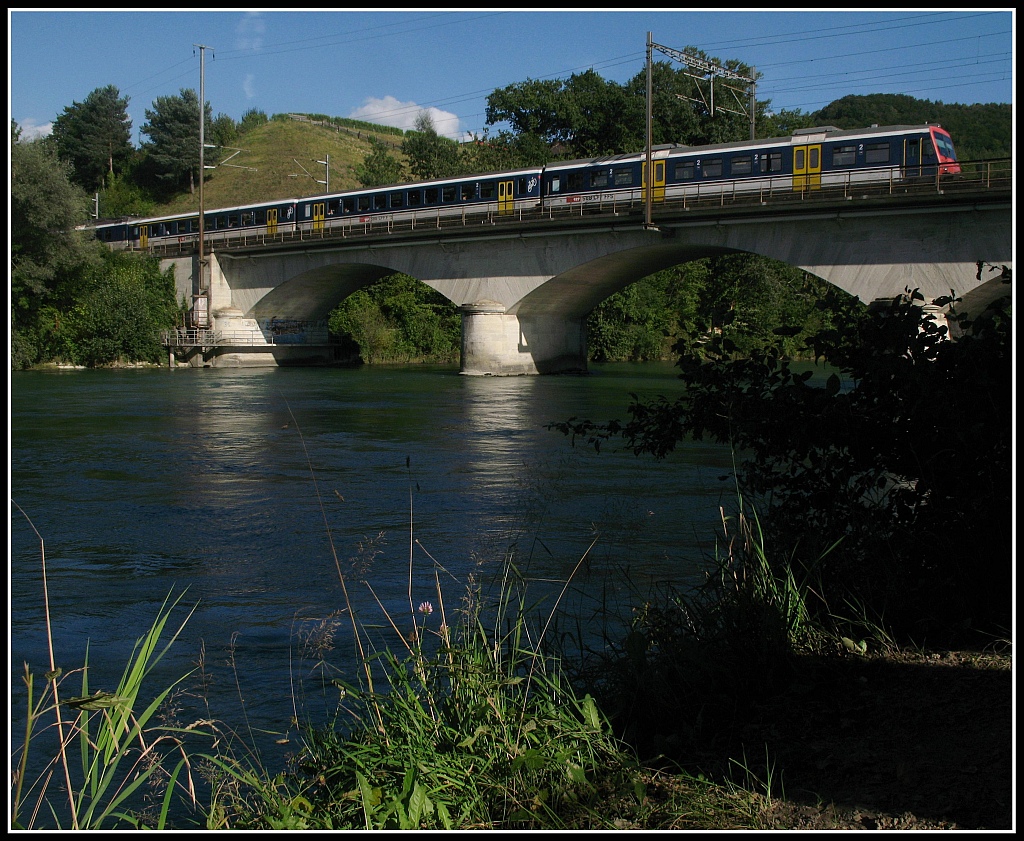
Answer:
(525, 285)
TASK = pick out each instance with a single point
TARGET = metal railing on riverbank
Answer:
(184, 338)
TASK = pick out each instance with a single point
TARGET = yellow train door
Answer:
(658, 192)
(272, 221)
(506, 199)
(318, 216)
(143, 236)
(807, 167)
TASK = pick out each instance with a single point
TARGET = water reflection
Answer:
(245, 485)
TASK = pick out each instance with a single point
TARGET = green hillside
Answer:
(273, 153)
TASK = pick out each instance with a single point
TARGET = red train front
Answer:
(944, 151)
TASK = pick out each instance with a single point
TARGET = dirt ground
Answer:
(919, 740)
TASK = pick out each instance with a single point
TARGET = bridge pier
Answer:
(500, 344)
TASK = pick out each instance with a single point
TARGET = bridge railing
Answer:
(765, 191)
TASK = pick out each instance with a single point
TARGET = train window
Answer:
(447, 194)
(555, 184)
(248, 218)
(771, 162)
(713, 168)
(430, 195)
(945, 146)
(333, 207)
(380, 201)
(598, 179)
(684, 171)
(741, 165)
(574, 181)
(348, 205)
(414, 198)
(466, 192)
(844, 155)
(397, 200)
(876, 153)
(487, 190)
(363, 203)
(622, 177)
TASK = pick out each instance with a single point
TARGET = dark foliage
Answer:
(979, 131)
(94, 136)
(904, 456)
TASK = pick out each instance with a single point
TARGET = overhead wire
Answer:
(767, 86)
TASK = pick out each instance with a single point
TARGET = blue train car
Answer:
(807, 160)
(502, 194)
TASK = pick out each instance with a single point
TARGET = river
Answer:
(243, 485)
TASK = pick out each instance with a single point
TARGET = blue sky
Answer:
(387, 67)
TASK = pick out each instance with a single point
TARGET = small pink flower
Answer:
(426, 608)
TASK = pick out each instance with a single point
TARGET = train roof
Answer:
(141, 220)
(405, 185)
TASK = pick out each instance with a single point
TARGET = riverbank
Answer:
(899, 740)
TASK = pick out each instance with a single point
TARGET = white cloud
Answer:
(247, 87)
(31, 130)
(389, 111)
(249, 32)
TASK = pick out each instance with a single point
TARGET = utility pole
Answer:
(649, 177)
(201, 318)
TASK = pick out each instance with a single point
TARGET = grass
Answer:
(274, 152)
(463, 716)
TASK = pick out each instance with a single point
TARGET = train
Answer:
(811, 159)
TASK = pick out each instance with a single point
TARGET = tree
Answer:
(504, 151)
(379, 167)
(398, 318)
(252, 119)
(123, 196)
(45, 247)
(633, 325)
(532, 108)
(588, 116)
(892, 494)
(600, 117)
(122, 305)
(429, 154)
(223, 131)
(94, 136)
(173, 129)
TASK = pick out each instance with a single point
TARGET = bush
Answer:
(908, 462)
